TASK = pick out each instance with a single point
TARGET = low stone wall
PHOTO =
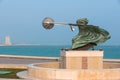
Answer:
(108, 65)
(41, 71)
(13, 66)
(47, 65)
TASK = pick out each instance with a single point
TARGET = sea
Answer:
(110, 52)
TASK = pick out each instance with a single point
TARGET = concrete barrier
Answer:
(13, 66)
(42, 72)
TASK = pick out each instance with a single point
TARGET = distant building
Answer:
(8, 40)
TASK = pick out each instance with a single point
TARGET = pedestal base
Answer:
(81, 59)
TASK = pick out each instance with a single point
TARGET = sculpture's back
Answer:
(88, 36)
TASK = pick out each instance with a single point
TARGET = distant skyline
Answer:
(22, 19)
(6, 42)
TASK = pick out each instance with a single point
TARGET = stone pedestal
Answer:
(81, 59)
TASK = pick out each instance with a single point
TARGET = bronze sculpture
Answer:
(88, 36)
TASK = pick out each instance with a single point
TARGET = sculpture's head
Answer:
(82, 21)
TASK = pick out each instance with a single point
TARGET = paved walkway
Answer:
(11, 59)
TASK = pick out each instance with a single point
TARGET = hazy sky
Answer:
(21, 19)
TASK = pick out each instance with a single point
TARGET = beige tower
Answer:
(7, 40)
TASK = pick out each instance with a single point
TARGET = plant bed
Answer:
(9, 73)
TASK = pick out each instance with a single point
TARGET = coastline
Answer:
(5, 59)
(29, 57)
(110, 52)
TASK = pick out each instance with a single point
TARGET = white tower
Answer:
(7, 40)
